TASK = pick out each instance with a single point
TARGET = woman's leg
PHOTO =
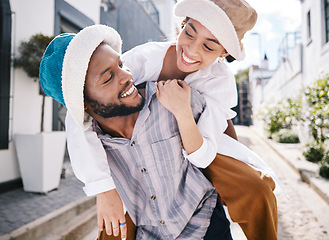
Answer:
(248, 195)
(131, 232)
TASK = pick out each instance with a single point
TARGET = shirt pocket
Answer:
(168, 155)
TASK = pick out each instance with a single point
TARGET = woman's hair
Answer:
(184, 22)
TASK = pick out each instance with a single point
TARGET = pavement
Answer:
(292, 154)
(19, 208)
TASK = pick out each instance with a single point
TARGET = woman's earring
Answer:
(86, 108)
(220, 59)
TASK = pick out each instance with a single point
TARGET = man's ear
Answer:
(86, 105)
(88, 109)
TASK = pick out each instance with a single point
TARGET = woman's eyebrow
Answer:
(192, 26)
(209, 39)
(213, 40)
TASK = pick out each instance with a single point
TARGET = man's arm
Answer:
(110, 213)
(89, 163)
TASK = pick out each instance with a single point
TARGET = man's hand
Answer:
(110, 213)
(175, 96)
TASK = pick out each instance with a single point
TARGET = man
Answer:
(166, 197)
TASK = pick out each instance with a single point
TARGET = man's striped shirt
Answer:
(165, 195)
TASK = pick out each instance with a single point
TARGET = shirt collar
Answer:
(149, 92)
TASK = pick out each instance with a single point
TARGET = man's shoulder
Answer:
(198, 102)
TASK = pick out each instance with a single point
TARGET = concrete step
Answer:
(63, 223)
(92, 235)
(76, 228)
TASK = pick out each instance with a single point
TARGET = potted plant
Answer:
(41, 155)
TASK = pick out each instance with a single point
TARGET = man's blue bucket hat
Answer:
(65, 62)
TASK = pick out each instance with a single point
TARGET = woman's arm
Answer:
(199, 149)
(230, 130)
(175, 95)
(200, 141)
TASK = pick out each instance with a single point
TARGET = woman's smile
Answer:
(188, 61)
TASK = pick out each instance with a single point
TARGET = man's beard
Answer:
(114, 110)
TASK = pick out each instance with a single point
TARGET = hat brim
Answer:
(75, 65)
(215, 20)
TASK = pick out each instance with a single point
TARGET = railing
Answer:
(150, 9)
(289, 42)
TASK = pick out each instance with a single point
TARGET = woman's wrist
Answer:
(183, 115)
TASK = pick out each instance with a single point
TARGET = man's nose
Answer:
(125, 75)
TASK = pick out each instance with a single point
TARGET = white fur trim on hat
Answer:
(75, 65)
(215, 20)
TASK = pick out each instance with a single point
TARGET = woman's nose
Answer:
(193, 49)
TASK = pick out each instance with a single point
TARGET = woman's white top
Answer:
(217, 85)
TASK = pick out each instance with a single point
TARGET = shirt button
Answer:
(132, 143)
(153, 197)
(162, 222)
(143, 170)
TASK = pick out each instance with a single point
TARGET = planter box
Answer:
(40, 158)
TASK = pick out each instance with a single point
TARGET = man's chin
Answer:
(122, 110)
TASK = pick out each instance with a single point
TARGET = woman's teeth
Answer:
(187, 59)
(129, 92)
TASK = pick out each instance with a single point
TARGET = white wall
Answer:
(90, 8)
(316, 52)
(306, 62)
(31, 17)
(287, 80)
(167, 18)
(258, 78)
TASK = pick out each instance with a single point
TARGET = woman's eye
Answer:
(208, 48)
(187, 33)
(121, 64)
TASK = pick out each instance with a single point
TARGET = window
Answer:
(68, 27)
(5, 51)
(326, 19)
(150, 9)
(308, 19)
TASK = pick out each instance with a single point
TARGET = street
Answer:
(304, 216)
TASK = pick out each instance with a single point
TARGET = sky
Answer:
(275, 19)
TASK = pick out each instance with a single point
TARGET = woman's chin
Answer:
(187, 68)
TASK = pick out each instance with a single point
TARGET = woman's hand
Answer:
(110, 213)
(175, 96)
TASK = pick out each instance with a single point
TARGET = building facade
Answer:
(303, 57)
(137, 21)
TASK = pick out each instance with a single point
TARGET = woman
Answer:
(246, 192)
